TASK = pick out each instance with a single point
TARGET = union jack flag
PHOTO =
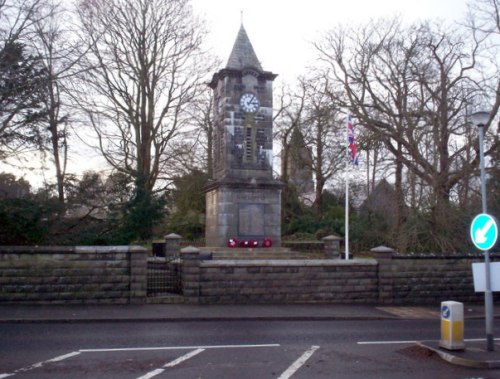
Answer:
(351, 138)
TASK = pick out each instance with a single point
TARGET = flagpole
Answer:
(351, 158)
(347, 206)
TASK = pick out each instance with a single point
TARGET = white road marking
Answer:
(40, 364)
(175, 348)
(185, 357)
(410, 342)
(197, 350)
(298, 363)
(173, 363)
(63, 357)
(152, 374)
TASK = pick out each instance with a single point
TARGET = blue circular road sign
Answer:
(484, 231)
(445, 312)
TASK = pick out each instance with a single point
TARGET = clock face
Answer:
(249, 102)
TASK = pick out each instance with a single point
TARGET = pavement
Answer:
(187, 312)
(474, 354)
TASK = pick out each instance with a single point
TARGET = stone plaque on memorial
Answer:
(251, 220)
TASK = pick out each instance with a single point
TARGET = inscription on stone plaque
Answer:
(251, 220)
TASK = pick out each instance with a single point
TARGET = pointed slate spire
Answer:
(243, 54)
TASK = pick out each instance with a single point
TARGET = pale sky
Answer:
(281, 31)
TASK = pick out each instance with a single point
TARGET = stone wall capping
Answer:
(172, 236)
(190, 249)
(289, 262)
(107, 249)
(332, 237)
(137, 249)
(382, 249)
(37, 249)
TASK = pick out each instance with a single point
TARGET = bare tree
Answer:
(379, 162)
(202, 133)
(53, 40)
(147, 67)
(288, 118)
(307, 112)
(411, 87)
(325, 132)
(484, 24)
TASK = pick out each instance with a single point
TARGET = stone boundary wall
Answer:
(73, 275)
(386, 279)
(278, 281)
(424, 280)
(118, 275)
(304, 246)
(288, 281)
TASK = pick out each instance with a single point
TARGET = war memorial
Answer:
(243, 201)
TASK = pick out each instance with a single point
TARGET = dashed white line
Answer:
(173, 363)
(298, 363)
(40, 364)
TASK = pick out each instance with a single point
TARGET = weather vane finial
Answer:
(242, 17)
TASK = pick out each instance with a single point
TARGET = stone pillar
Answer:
(138, 274)
(383, 255)
(332, 246)
(172, 244)
(190, 275)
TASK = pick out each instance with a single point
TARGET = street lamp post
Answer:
(480, 119)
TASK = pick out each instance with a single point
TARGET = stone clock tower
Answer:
(243, 200)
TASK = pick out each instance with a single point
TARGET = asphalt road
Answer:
(235, 349)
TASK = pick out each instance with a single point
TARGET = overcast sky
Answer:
(281, 31)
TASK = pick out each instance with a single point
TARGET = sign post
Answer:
(484, 235)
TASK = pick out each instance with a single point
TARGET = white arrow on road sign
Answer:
(481, 232)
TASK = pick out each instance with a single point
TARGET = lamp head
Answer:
(480, 118)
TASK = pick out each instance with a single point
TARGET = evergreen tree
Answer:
(21, 95)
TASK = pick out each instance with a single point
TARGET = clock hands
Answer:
(249, 102)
